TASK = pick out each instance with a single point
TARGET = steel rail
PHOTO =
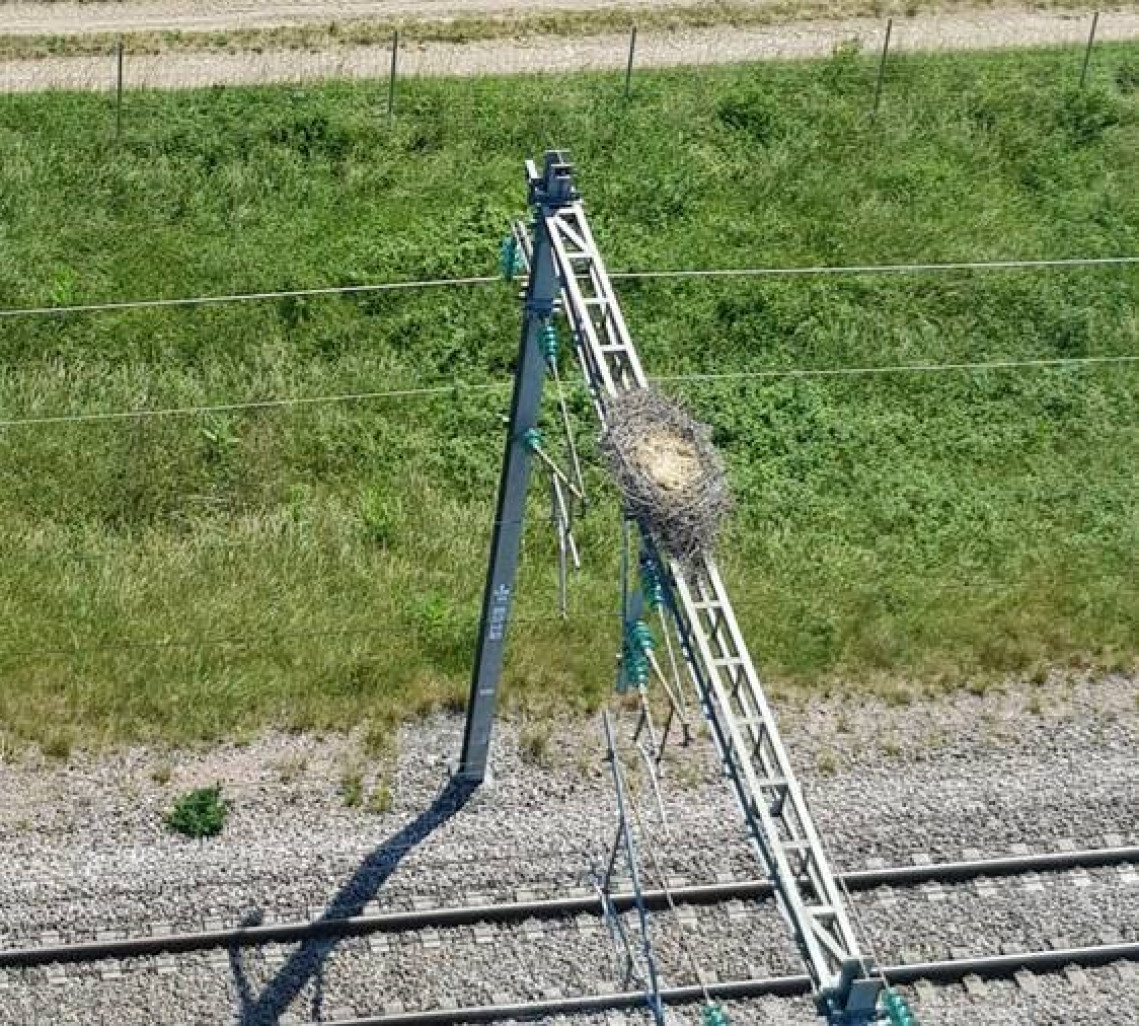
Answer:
(549, 908)
(990, 967)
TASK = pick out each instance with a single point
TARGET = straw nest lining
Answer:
(670, 474)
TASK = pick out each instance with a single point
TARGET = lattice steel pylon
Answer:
(564, 261)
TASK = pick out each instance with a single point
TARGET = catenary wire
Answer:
(823, 270)
(120, 306)
(899, 368)
(818, 270)
(256, 404)
(457, 387)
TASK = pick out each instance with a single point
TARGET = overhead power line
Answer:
(241, 297)
(899, 368)
(457, 387)
(264, 641)
(820, 270)
(256, 404)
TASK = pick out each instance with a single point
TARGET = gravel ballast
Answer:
(83, 850)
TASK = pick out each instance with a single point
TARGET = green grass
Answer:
(320, 567)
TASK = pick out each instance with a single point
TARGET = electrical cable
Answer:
(255, 404)
(1070, 263)
(254, 642)
(240, 297)
(900, 368)
(458, 387)
(649, 846)
(819, 270)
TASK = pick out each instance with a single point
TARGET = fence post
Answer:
(1088, 51)
(119, 89)
(391, 77)
(629, 65)
(882, 65)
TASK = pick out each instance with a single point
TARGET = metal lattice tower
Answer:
(564, 260)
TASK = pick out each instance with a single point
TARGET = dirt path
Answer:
(549, 53)
(71, 18)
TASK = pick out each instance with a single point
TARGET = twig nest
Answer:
(670, 474)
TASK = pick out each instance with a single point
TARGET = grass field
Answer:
(190, 577)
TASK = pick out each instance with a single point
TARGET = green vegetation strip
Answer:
(321, 566)
(484, 28)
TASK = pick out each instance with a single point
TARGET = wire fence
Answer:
(133, 63)
(145, 61)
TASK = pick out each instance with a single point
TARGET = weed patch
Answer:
(200, 813)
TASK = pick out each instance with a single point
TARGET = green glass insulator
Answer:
(651, 587)
(898, 1009)
(642, 636)
(714, 1015)
(550, 343)
(508, 258)
(533, 439)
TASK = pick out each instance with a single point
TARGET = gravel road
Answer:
(83, 850)
(61, 17)
(965, 30)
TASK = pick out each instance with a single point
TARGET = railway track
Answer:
(477, 945)
(332, 926)
(992, 967)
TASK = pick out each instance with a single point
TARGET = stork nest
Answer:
(670, 474)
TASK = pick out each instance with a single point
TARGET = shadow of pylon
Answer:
(307, 962)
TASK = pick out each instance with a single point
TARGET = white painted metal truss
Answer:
(717, 658)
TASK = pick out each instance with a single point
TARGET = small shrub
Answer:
(845, 72)
(754, 113)
(891, 749)
(445, 630)
(534, 744)
(291, 768)
(352, 788)
(58, 746)
(1086, 114)
(313, 136)
(381, 799)
(896, 695)
(218, 439)
(1127, 76)
(200, 813)
(378, 517)
(64, 286)
(294, 310)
